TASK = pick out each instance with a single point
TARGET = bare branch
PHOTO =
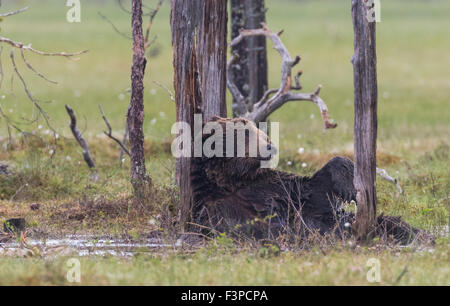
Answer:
(150, 23)
(20, 45)
(383, 173)
(109, 133)
(10, 123)
(114, 27)
(267, 105)
(167, 89)
(34, 70)
(150, 43)
(123, 7)
(79, 138)
(14, 12)
(30, 96)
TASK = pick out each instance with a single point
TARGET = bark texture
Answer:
(135, 116)
(199, 33)
(250, 69)
(365, 125)
(255, 14)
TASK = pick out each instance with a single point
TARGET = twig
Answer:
(114, 27)
(123, 7)
(383, 173)
(267, 105)
(34, 70)
(20, 45)
(109, 133)
(14, 12)
(33, 100)
(150, 23)
(149, 44)
(128, 11)
(16, 193)
(167, 89)
(81, 141)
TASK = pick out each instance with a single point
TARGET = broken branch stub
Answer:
(82, 142)
(274, 98)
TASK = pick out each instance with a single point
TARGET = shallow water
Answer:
(85, 245)
(90, 245)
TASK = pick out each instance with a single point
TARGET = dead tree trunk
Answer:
(239, 69)
(135, 116)
(250, 69)
(255, 14)
(365, 126)
(199, 33)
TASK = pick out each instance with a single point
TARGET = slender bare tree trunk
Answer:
(255, 13)
(250, 70)
(199, 33)
(239, 68)
(135, 116)
(365, 126)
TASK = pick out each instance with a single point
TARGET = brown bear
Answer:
(234, 194)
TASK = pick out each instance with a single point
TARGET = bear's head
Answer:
(235, 146)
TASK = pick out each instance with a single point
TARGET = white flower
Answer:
(68, 158)
(347, 224)
(304, 165)
(121, 96)
(289, 163)
(3, 97)
(299, 136)
(311, 116)
(301, 150)
(51, 152)
(39, 127)
(56, 136)
(153, 121)
(153, 91)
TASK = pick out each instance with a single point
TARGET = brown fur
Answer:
(234, 193)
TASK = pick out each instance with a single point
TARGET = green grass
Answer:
(342, 267)
(414, 90)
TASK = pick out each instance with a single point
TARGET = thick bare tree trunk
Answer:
(250, 70)
(199, 33)
(135, 116)
(365, 126)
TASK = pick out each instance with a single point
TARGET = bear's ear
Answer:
(216, 118)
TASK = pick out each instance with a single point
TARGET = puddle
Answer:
(83, 245)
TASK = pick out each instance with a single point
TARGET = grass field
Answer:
(414, 123)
